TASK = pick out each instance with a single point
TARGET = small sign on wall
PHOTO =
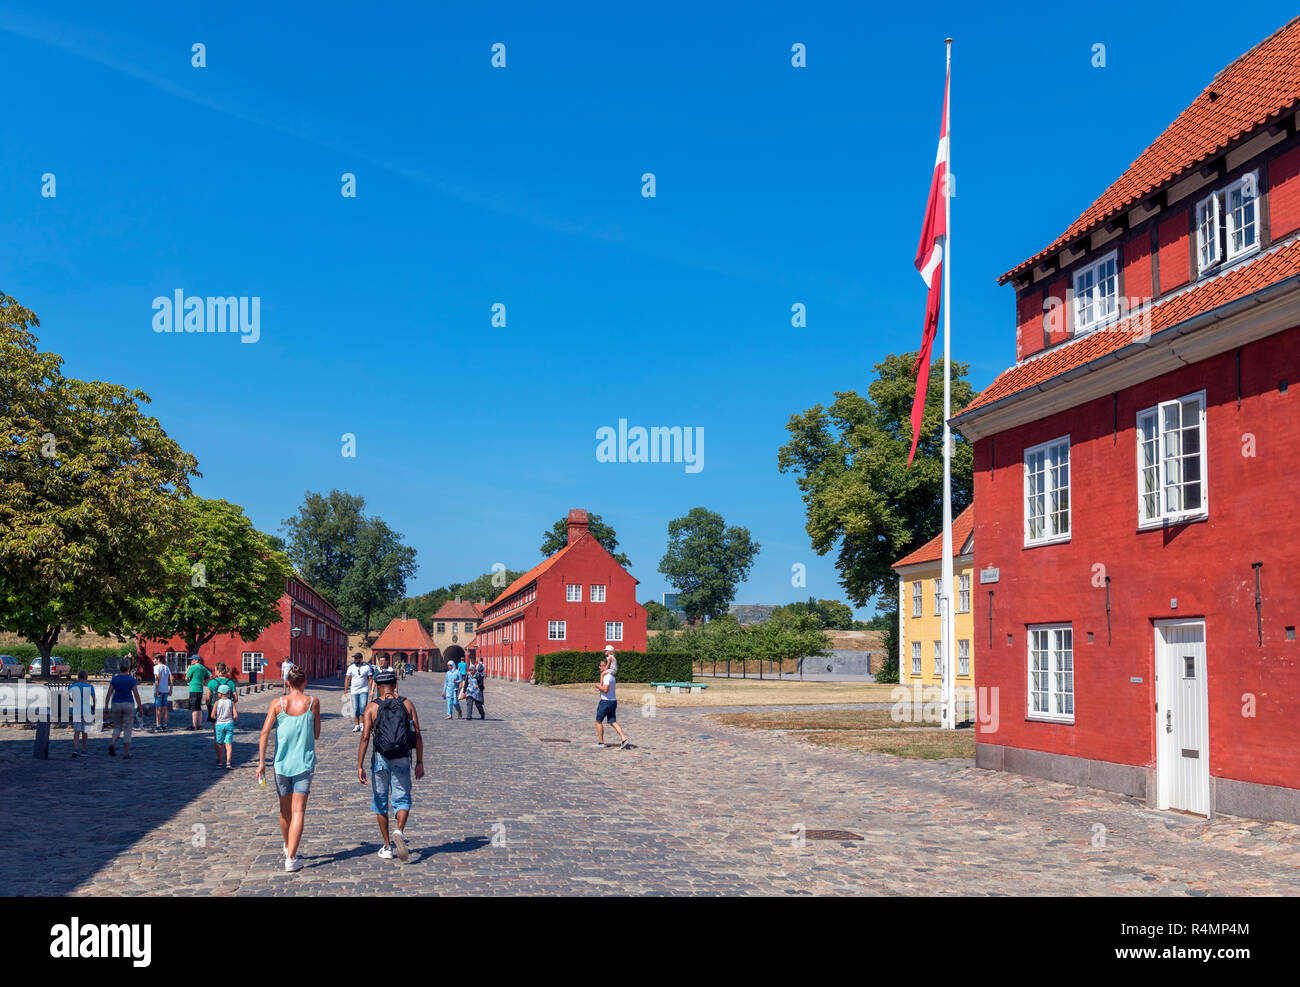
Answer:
(989, 575)
(1136, 679)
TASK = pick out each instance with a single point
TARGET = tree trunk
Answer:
(41, 745)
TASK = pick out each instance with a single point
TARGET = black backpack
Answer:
(393, 735)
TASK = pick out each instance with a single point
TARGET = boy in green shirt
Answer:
(197, 676)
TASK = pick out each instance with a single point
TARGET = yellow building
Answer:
(920, 659)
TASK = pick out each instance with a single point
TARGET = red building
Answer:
(579, 599)
(1135, 472)
(320, 647)
(405, 640)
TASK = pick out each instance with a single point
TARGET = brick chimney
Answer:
(457, 597)
(577, 524)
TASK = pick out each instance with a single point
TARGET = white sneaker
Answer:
(399, 844)
(292, 864)
(386, 852)
(356, 728)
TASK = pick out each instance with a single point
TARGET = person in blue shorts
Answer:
(395, 727)
(224, 716)
(607, 708)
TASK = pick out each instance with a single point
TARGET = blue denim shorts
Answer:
(386, 776)
(359, 700)
(293, 784)
(162, 700)
(606, 710)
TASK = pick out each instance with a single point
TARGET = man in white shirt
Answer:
(286, 667)
(358, 684)
(607, 708)
(162, 690)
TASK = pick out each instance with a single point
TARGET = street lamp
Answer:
(293, 634)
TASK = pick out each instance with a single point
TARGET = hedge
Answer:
(561, 667)
(91, 659)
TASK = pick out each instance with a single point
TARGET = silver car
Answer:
(58, 667)
(11, 667)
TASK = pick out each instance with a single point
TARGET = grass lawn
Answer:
(872, 730)
(750, 692)
(814, 719)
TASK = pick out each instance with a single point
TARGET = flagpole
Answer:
(948, 645)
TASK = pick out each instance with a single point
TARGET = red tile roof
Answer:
(1240, 281)
(1260, 85)
(528, 577)
(458, 610)
(962, 526)
(403, 635)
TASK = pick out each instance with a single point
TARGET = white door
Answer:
(1182, 718)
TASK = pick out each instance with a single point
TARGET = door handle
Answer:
(1169, 721)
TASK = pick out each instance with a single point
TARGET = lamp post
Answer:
(293, 635)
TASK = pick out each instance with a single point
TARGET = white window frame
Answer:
(938, 658)
(176, 661)
(917, 593)
(250, 657)
(1209, 240)
(555, 630)
(938, 597)
(963, 658)
(916, 657)
(963, 592)
(597, 592)
(1047, 537)
(1248, 181)
(1056, 678)
(1104, 308)
(613, 630)
(1164, 515)
(573, 592)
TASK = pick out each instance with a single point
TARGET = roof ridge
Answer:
(1251, 50)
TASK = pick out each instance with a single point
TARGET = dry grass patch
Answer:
(925, 744)
(821, 719)
(749, 692)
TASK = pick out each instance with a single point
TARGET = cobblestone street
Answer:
(525, 803)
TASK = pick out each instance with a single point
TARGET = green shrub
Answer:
(90, 659)
(563, 667)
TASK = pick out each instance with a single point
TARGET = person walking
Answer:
(296, 719)
(122, 689)
(81, 699)
(223, 726)
(197, 676)
(473, 696)
(451, 690)
(607, 708)
(358, 684)
(286, 667)
(395, 726)
(162, 688)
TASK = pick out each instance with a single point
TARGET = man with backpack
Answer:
(395, 726)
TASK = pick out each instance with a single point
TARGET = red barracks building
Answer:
(320, 647)
(1136, 472)
(579, 599)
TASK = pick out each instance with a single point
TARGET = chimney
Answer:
(577, 524)
(457, 597)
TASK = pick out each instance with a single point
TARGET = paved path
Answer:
(695, 808)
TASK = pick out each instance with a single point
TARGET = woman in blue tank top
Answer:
(296, 719)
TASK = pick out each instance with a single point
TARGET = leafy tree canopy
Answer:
(557, 536)
(706, 561)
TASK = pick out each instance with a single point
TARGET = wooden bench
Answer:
(677, 687)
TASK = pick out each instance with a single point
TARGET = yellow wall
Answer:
(925, 628)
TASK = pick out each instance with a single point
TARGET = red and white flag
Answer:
(929, 261)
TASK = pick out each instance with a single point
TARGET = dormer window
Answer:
(1227, 223)
(1096, 294)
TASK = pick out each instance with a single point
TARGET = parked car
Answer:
(58, 667)
(11, 667)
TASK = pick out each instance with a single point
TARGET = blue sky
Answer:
(522, 186)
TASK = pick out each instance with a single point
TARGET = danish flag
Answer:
(929, 261)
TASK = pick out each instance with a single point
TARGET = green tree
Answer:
(222, 576)
(705, 562)
(90, 494)
(557, 536)
(380, 568)
(826, 615)
(322, 539)
(851, 464)
(660, 618)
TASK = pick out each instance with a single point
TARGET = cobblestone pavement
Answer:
(525, 803)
